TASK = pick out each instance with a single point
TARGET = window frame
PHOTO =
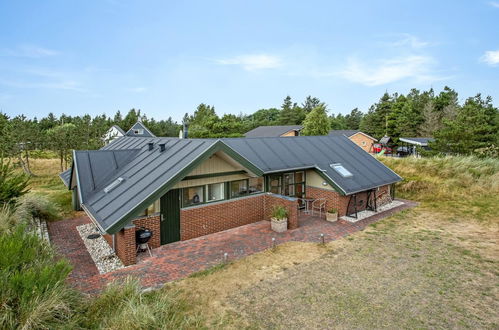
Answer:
(196, 204)
(295, 183)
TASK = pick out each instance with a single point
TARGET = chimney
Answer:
(162, 147)
(151, 146)
(185, 126)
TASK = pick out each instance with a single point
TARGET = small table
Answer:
(307, 202)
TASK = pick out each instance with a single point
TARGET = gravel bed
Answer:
(103, 256)
(367, 213)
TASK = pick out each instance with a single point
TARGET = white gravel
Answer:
(367, 213)
(103, 256)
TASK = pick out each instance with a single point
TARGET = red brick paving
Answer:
(180, 259)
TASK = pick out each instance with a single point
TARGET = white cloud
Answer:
(491, 57)
(30, 51)
(387, 71)
(494, 4)
(62, 85)
(409, 40)
(253, 62)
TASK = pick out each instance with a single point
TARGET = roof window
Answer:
(113, 185)
(341, 170)
(138, 131)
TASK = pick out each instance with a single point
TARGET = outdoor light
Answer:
(324, 183)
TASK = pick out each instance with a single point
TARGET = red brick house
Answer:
(186, 188)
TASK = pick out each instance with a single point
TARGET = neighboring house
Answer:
(274, 131)
(140, 130)
(186, 188)
(113, 133)
(359, 138)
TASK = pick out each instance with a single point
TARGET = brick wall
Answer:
(125, 245)
(339, 202)
(291, 204)
(362, 141)
(212, 218)
(152, 223)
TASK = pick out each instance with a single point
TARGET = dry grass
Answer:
(46, 182)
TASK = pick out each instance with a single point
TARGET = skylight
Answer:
(341, 170)
(113, 185)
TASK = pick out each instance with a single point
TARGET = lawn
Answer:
(435, 266)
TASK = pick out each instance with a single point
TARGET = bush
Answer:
(36, 206)
(33, 293)
(279, 212)
(12, 185)
(126, 306)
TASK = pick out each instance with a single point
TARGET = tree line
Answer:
(467, 128)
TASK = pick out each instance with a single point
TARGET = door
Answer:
(170, 217)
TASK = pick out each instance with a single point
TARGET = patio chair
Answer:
(319, 205)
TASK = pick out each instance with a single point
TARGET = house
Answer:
(113, 133)
(140, 130)
(359, 138)
(274, 131)
(186, 188)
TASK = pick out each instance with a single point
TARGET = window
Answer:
(152, 209)
(215, 192)
(193, 196)
(275, 184)
(138, 131)
(341, 170)
(255, 185)
(238, 188)
(363, 143)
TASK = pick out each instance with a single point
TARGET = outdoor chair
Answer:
(319, 205)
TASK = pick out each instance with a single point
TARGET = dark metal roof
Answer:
(118, 181)
(66, 176)
(278, 154)
(272, 131)
(417, 141)
(138, 125)
(346, 132)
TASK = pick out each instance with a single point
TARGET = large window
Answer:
(216, 192)
(288, 184)
(238, 188)
(152, 209)
(255, 185)
(193, 196)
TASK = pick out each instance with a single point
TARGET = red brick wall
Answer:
(212, 218)
(109, 239)
(339, 202)
(152, 223)
(291, 205)
(125, 245)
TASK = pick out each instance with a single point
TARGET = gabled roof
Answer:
(272, 131)
(348, 133)
(114, 193)
(417, 141)
(119, 129)
(139, 126)
(317, 152)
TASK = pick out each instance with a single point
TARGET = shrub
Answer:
(333, 210)
(33, 293)
(279, 212)
(126, 306)
(36, 206)
(12, 185)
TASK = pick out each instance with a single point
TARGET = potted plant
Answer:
(332, 215)
(279, 219)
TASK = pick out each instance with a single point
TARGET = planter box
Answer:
(279, 225)
(331, 217)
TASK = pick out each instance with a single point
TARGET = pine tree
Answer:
(291, 113)
(353, 119)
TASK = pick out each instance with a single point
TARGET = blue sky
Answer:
(166, 57)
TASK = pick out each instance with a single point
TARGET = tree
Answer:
(374, 122)
(475, 127)
(202, 121)
(63, 139)
(291, 113)
(316, 122)
(24, 135)
(338, 122)
(353, 119)
(310, 104)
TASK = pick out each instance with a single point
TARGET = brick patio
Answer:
(180, 259)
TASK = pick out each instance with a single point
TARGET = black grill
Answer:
(143, 235)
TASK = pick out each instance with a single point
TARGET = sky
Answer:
(166, 57)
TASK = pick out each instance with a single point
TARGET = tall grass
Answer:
(460, 185)
(126, 306)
